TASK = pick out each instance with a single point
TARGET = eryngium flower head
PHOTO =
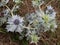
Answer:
(15, 24)
(34, 38)
(51, 11)
(3, 16)
(49, 23)
(3, 2)
(37, 2)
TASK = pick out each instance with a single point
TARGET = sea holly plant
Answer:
(31, 25)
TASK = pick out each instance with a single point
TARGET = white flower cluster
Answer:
(37, 21)
(40, 22)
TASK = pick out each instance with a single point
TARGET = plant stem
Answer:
(13, 8)
(29, 27)
(36, 44)
(9, 10)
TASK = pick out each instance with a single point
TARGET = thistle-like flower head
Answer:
(51, 11)
(15, 24)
